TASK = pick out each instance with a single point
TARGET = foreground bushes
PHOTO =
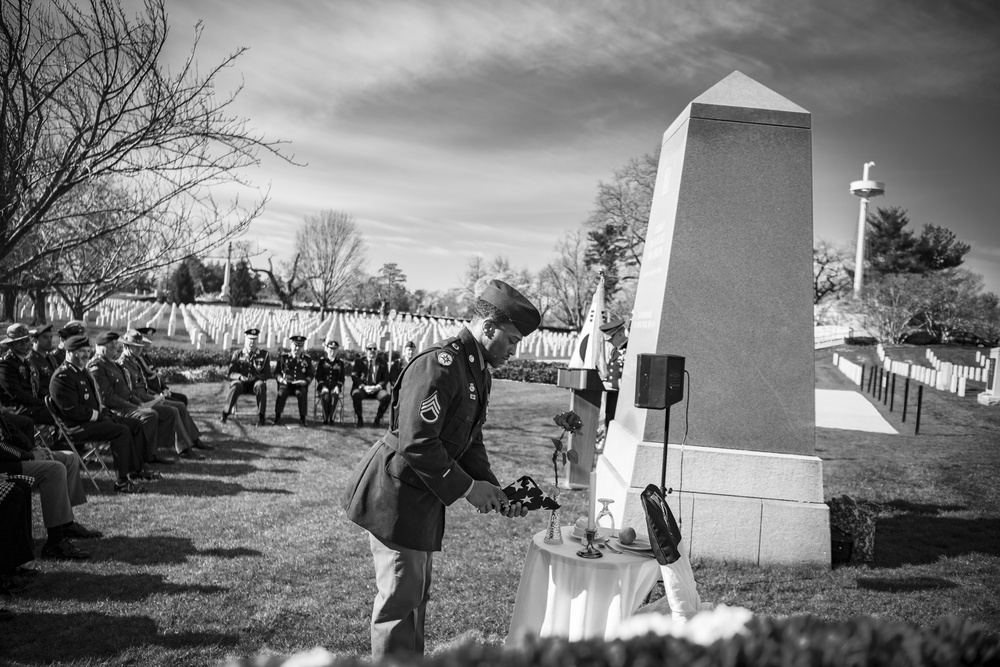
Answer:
(766, 642)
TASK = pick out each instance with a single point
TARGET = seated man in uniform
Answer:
(72, 328)
(294, 373)
(155, 383)
(330, 379)
(41, 357)
(19, 378)
(370, 379)
(249, 370)
(76, 398)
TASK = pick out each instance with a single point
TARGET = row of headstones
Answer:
(942, 375)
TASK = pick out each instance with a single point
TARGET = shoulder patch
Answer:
(430, 409)
(445, 359)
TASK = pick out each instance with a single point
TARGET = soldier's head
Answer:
(107, 345)
(298, 344)
(503, 316)
(615, 332)
(250, 339)
(408, 351)
(18, 339)
(78, 350)
(332, 349)
(41, 338)
(134, 342)
(371, 351)
(74, 328)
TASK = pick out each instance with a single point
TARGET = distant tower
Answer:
(865, 189)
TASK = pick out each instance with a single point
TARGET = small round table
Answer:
(563, 595)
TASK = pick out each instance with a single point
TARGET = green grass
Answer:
(249, 552)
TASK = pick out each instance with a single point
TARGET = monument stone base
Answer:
(738, 505)
(986, 398)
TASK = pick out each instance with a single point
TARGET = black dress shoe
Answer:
(225, 416)
(302, 421)
(361, 422)
(201, 445)
(75, 530)
(128, 486)
(163, 461)
(261, 421)
(190, 454)
(64, 550)
(145, 475)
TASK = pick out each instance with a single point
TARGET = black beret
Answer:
(106, 337)
(74, 343)
(513, 304)
(613, 326)
(411, 344)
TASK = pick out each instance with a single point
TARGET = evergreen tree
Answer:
(183, 284)
(243, 285)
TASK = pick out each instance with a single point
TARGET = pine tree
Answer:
(183, 284)
(243, 285)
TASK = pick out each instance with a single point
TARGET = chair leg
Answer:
(83, 463)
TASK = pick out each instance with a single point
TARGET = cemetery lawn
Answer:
(249, 551)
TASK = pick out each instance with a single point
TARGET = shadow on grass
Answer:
(904, 585)
(36, 638)
(919, 535)
(157, 550)
(210, 488)
(87, 587)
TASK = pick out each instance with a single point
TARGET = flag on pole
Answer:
(589, 343)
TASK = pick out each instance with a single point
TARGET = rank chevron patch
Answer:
(430, 409)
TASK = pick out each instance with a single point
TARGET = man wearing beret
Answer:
(76, 398)
(19, 378)
(294, 372)
(330, 379)
(41, 357)
(249, 370)
(432, 456)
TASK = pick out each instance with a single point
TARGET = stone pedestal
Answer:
(726, 282)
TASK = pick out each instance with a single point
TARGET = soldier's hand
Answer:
(486, 497)
(515, 509)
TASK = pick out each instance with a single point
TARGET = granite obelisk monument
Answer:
(726, 283)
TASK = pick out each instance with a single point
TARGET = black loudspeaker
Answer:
(659, 381)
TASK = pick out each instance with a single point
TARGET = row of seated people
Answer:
(98, 392)
(371, 378)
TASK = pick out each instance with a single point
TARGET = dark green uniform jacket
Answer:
(432, 451)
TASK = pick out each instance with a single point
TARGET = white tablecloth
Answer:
(563, 595)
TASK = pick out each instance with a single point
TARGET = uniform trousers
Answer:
(24, 425)
(50, 480)
(153, 431)
(299, 391)
(15, 525)
(403, 579)
(237, 388)
(39, 414)
(122, 433)
(328, 398)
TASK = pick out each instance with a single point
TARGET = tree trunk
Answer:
(38, 297)
(10, 304)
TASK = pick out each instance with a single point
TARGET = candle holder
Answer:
(590, 551)
(553, 535)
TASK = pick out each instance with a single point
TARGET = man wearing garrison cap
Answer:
(432, 456)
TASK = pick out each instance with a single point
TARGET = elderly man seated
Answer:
(249, 370)
(188, 435)
(41, 357)
(76, 399)
(19, 457)
(370, 379)
(294, 372)
(154, 381)
(20, 379)
(118, 395)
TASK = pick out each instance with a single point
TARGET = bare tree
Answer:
(286, 281)
(830, 271)
(334, 255)
(479, 273)
(86, 104)
(567, 283)
(891, 305)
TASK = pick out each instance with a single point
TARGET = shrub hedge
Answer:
(767, 642)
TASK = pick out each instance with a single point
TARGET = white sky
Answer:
(452, 128)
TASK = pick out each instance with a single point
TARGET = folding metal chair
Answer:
(93, 454)
(338, 412)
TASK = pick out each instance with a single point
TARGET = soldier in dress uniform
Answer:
(76, 399)
(71, 328)
(294, 372)
(155, 383)
(399, 363)
(330, 379)
(615, 340)
(249, 370)
(41, 357)
(19, 378)
(432, 456)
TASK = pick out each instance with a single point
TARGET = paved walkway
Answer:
(849, 410)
